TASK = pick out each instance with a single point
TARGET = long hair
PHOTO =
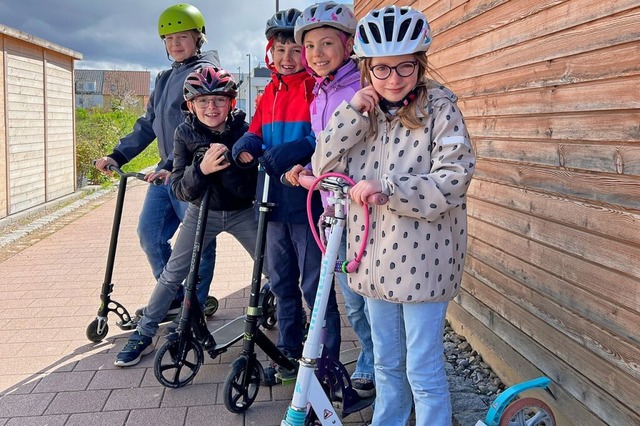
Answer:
(408, 113)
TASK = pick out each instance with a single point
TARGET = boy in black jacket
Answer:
(211, 128)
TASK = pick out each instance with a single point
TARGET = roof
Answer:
(20, 35)
(136, 81)
(96, 76)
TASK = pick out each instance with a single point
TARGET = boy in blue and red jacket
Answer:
(279, 137)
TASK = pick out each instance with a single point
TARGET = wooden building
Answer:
(37, 151)
(550, 90)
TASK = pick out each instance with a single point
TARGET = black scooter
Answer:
(98, 328)
(178, 360)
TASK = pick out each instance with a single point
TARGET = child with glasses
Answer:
(211, 128)
(403, 135)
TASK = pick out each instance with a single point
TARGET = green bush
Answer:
(97, 133)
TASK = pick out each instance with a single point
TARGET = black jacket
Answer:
(230, 189)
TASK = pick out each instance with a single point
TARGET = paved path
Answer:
(50, 374)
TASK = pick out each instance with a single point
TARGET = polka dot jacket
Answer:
(417, 241)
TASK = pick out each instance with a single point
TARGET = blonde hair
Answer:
(408, 113)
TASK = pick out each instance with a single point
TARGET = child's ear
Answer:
(233, 104)
(190, 107)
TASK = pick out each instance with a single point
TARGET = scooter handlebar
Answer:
(306, 181)
(121, 173)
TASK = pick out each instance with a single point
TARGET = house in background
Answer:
(112, 89)
(37, 121)
(126, 89)
(89, 88)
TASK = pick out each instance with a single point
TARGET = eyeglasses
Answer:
(403, 69)
(205, 102)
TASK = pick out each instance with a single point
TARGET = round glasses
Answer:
(205, 102)
(403, 69)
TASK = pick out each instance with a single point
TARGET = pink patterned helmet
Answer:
(327, 14)
(209, 81)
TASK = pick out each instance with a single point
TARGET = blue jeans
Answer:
(355, 307)
(409, 361)
(293, 264)
(159, 219)
(241, 224)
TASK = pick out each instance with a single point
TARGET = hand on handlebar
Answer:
(103, 164)
(293, 175)
(363, 190)
(161, 175)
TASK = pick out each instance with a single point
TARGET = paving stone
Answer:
(60, 382)
(53, 420)
(110, 418)
(159, 417)
(117, 378)
(128, 399)
(78, 402)
(24, 405)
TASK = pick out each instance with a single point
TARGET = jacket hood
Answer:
(346, 75)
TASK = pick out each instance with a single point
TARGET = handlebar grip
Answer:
(379, 199)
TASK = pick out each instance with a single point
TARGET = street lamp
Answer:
(249, 104)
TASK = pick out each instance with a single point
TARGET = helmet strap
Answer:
(386, 105)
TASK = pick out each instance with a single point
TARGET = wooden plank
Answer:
(584, 330)
(478, 17)
(606, 157)
(601, 375)
(559, 72)
(599, 95)
(572, 279)
(601, 34)
(618, 192)
(601, 220)
(517, 24)
(619, 126)
(612, 254)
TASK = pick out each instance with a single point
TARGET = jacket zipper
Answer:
(377, 216)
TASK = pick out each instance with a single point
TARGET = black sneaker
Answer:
(363, 387)
(137, 346)
(275, 374)
(174, 311)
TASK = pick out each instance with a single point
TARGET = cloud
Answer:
(122, 34)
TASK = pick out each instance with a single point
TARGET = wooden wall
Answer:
(550, 91)
(37, 151)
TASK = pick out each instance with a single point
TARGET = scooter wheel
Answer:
(175, 368)
(92, 331)
(269, 309)
(239, 390)
(527, 412)
(210, 307)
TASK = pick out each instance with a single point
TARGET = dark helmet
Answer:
(208, 81)
(284, 20)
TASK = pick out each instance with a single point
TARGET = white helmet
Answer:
(327, 14)
(392, 31)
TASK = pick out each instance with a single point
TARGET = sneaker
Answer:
(174, 311)
(363, 387)
(137, 346)
(275, 374)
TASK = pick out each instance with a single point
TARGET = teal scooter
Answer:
(509, 410)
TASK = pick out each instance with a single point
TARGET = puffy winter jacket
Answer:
(230, 189)
(280, 137)
(417, 241)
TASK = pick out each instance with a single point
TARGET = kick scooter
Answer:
(509, 410)
(98, 328)
(178, 360)
(321, 379)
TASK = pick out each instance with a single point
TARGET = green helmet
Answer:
(180, 17)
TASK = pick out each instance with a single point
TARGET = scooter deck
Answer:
(229, 333)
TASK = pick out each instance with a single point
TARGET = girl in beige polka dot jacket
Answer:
(403, 135)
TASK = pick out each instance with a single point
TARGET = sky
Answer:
(123, 34)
